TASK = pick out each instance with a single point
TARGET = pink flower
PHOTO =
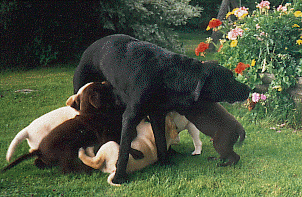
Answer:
(234, 33)
(257, 26)
(263, 97)
(282, 8)
(241, 12)
(263, 4)
(255, 97)
(262, 34)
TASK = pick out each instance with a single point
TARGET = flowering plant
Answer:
(266, 42)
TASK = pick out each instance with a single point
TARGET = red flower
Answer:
(214, 23)
(220, 48)
(241, 67)
(201, 48)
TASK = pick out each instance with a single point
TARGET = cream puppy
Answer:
(39, 128)
(182, 123)
(107, 155)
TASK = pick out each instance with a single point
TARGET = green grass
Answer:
(270, 163)
(190, 42)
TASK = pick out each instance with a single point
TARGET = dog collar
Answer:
(197, 90)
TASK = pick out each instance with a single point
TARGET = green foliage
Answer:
(5, 9)
(148, 20)
(40, 33)
(270, 46)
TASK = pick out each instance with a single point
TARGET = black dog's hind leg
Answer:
(158, 126)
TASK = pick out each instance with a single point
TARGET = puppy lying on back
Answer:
(107, 155)
(39, 128)
(99, 121)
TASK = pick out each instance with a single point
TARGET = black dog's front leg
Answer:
(158, 126)
(127, 135)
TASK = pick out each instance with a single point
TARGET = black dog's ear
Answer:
(199, 85)
(74, 102)
(197, 90)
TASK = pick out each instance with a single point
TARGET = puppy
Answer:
(97, 123)
(153, 81)
(215, 121)
(107, 155)
(39, 128)
(182, 123)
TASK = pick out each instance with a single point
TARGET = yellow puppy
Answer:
(107, 156)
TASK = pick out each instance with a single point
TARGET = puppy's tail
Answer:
(22, 135)
(110, 178)
(241, 136)
(20, 159)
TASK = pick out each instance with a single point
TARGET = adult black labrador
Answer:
(152, 81)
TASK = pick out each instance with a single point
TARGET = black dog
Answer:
(152, 81)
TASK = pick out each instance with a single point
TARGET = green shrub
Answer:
(148, 20)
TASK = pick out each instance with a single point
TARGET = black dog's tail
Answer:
(20, 159)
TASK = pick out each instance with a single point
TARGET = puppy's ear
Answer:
(95, 99)
(74, 102)
(71, 100)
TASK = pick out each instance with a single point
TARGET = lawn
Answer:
(270, 163)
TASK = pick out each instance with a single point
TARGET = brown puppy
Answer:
(107, 155)
(215, 121)
(97, 123)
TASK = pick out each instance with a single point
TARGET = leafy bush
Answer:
(35, 33)
(264, 44)
(148, 20)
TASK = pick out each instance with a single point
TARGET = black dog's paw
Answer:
(136, 154)
(172, 152)
(119, 180)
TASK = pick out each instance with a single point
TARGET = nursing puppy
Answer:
(97, 123)
(107, 155)
(39, 128)
(152, 81)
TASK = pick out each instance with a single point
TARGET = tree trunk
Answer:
(216, 35)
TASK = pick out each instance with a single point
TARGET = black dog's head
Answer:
(93, 97)
(220, 85)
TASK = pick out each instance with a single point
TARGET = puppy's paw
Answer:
(81, 152)
(110, 178)
(229, 163)
(196, 153)
(40, 164)
(212, 158)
